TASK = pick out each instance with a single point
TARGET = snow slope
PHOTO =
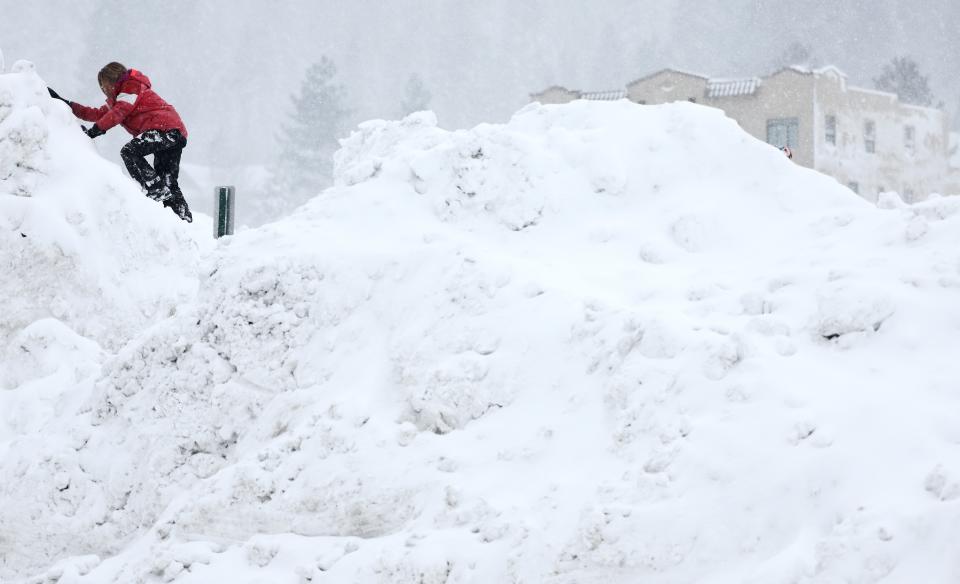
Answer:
(601, 343)
(86, 262)
(80, 243)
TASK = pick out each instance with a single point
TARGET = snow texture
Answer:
(602, 342)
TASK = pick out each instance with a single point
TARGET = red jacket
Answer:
(137, 107)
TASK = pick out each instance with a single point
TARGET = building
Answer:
(866, 139)
(557, 94)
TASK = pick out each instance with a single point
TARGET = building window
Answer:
(870, 136)
(909, 139)
(830, 125)
(854, 186)
(783, 132)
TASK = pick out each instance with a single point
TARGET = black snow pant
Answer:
(160, 180)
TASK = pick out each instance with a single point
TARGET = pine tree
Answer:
(309, 141)
(796, 54)
(416, 98)
(902, 76)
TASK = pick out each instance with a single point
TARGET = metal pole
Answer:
(223, 203)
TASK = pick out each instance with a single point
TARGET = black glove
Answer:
(94, 131)
(56, 95)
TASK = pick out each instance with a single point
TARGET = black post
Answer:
(223, 212)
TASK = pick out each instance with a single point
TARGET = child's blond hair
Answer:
(111, 73)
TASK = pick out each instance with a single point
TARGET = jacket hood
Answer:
(138, 77)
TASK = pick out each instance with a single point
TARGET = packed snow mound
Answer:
(602, 342)
(79, 243)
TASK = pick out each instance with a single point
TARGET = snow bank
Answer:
(86, 263)
(600, 343)
(80, 243)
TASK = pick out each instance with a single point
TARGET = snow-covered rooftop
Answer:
(668, 70)
(732, 87)
(608, 95)
(807, 70)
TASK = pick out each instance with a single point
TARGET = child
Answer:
(155, 125)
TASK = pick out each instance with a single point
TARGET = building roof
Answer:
(608, 95)
(732, 87)
(804, 70)
(667, 70)
(554, 88)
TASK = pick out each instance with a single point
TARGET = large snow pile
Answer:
(601, 343)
